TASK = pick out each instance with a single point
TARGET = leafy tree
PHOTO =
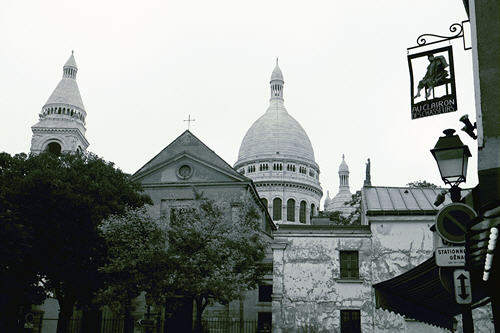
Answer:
(213, 258)
(59, 203)
(421, 184)
(354, 218)
(137, 259)
(19, 280)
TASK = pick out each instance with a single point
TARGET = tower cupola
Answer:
(70, 68)
(61, 125)
(343, 175)
(277, 83)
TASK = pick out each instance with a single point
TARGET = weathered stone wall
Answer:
(308, 293)
(398, 245)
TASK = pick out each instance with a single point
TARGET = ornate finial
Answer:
(343, 157)
(189, 120)
(72, 52)
(276, 61)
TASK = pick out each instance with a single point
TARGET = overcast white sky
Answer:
(145, 66)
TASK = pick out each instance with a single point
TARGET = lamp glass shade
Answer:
(452, 157)
(452, 164)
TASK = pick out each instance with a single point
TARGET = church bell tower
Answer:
(61, 125)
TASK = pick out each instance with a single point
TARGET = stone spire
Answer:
(343, 176)
(277, 83)
(368, 178)
(61, 125)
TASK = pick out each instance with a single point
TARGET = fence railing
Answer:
(117, 325)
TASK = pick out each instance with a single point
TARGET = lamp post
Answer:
(452, 156)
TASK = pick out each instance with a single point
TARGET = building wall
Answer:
(308, 292)
(399, 243)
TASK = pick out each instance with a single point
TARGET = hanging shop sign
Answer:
(432, 81)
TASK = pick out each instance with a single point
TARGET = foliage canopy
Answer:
(55, 204)
(215, 257)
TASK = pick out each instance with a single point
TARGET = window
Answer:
(302, 212)
(277, 209)
(264, 322)
(263, 167)
(278, 167)
(264, 201)
(349, 267)
(290, 210)
(312, 210)
(311, 173)
(302, 169)
(265, 292)
(251, 168)
(181, 215)
(350, 321)
(290, 167)
(54, 148)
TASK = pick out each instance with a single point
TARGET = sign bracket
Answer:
(456, 28)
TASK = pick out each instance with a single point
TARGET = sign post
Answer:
(451, 225)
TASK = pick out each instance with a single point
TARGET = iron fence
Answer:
(117, 325)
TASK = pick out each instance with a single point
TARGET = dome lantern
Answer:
(277, 83)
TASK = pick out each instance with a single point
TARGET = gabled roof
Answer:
(402, 200)
(188, 143)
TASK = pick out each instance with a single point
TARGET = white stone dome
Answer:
(277, 155)
(276, 134)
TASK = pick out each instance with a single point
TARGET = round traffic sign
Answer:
(452, 220)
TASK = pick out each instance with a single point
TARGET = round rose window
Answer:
(185, 171)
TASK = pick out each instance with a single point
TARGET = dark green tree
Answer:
(354, 218)
(59, 201)
(421, 184)
(213, 258)
(19, 279)
(136, 262)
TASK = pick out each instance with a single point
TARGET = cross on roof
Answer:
(189, 120)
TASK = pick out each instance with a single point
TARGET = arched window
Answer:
(302, 212)
(312, 210)
(54, 148)
(264, 201)
(290, 210)
(277, 209)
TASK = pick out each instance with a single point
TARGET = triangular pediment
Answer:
(187, 160)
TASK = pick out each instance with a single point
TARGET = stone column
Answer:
(277, 296)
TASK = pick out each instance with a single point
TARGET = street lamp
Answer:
(452, 156)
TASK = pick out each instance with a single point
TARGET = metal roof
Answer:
(402, 200)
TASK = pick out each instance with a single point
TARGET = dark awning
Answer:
(420, 295)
